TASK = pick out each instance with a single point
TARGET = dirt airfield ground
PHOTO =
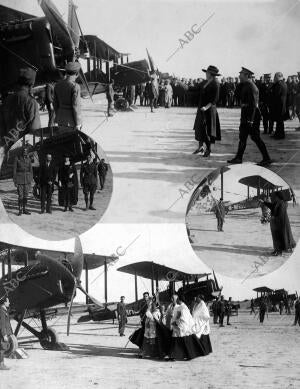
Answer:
(151, 158)
(245, 355)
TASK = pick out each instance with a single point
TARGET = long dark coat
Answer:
(207, 123)
(280, 226)
(277, 103)
(63, 177)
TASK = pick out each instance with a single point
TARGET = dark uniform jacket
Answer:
(5, 327)
(47, 173)
(20, 111)
(102, 169)
(249, 101)
(67, 103)
(278, 96)
(88, 174)
(22, 171)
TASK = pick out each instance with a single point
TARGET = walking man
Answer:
(88, 180)
(47, 179)
(262, 310)
(122, 315)
(102, 171)
(250, 119)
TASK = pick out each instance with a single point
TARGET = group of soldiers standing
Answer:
(65, 176)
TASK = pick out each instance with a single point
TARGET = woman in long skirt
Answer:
(207, 125)
(202, 328)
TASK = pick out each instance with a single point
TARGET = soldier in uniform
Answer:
(20, 109)
(250, 119)
(5, 329)
(47, 175)
(122, 315)
(23, 177)
(88, 180)
(102, 171)
(67, 103)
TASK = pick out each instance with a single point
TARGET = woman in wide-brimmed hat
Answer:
(207, 125)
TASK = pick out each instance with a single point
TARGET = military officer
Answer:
(250, 119)
(20, 109)
(102, 171)
(22, 177)
(66, 102)
(5, 329)
(88, 181)
(47, 175)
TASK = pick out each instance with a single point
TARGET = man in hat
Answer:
(250, 119)
(22, 177)
(264, 97)
(102, 171)
(47, 175)
(5, 329)
(220, 212)
(278, 96)
(67, 103)
(88, 180)
(20, 109)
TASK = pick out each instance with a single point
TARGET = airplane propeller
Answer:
(77, 264)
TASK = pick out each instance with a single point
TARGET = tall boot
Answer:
(239, 155)
(20, 207)
(24, 207)
(91, 202)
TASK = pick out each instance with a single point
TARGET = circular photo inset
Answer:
(243, 221)
(55, 186)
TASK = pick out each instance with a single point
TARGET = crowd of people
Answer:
(174, 332)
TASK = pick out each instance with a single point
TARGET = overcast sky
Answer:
(261, 34)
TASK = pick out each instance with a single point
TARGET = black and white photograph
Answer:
(149, 194)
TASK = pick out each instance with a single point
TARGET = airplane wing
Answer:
(131, 73)
(19, 254)
(8, 15)
(98, 48)
(157, 271)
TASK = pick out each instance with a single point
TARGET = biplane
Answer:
(262, 187)
(44, 279)
(168, 278)
(45, 44)
(274, 296)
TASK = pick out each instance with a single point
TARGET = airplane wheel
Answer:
(48, 339)
(11, 346)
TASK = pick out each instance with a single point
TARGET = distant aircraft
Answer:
(45, 280)
(45, 44)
